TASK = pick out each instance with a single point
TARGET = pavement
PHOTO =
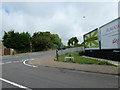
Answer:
(49, 62)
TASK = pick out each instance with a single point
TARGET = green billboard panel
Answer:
(91, 40)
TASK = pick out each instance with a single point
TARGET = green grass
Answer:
(82, 60)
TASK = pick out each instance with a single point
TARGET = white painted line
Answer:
(83, 72)
(16, 61)
(116, 76)
(15, 84)
(24, 62)
(32, 59)
(2, 63)
(8, 62)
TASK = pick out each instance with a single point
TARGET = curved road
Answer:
(17, 75)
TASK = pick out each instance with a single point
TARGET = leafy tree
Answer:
(69, 43)
(45, 40)
(41, 41)
(16, 40)
(56, 41)
(73, 41)
(22, 41)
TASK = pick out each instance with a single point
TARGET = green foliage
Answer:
(81, 53)
(16, 40)
(73, 41)
(78, 45)
(82, 60)
(45, 40)
(69, 46)
(39, 41)
(56, 40)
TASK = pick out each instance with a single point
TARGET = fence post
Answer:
(57, 54)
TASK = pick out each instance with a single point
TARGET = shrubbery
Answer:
(81, 53)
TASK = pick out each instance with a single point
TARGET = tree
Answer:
(56, 41)
(22, 41)
(73, 41)
(68, 42)
(45, 40)
(17, 41)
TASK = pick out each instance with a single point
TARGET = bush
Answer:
(69, 46)
(81, 53)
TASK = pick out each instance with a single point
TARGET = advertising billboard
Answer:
(91, 40)
(110, 35)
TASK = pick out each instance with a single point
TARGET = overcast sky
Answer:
(68, 19)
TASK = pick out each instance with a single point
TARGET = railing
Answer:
(70, 50)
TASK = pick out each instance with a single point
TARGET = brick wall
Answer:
(6, 51)
(0, 48)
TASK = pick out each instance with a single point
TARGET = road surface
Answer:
(18, 75)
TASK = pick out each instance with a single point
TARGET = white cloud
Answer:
(60, 0)
(65, 19)
(0, 18)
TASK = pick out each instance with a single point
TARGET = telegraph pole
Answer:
(30, 46)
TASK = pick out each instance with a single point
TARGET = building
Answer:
(4, 50)
(0, 48)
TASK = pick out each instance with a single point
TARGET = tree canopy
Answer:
(73, 41)
(23, 41)
(45, 40)
(16, 40)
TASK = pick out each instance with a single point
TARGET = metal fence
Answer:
(70, 50)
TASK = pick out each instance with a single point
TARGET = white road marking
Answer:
(15, 84)
(24, 62)
(116, 76)
(8, 62)
(16, 61)
(83, 72)
(1, 63)
(32, 59)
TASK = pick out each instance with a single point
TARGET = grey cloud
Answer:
(65, 19)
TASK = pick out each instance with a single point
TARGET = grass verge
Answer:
(82, 60)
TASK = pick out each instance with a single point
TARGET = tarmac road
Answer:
(46, 77)
(26, 56)
(35, 55)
